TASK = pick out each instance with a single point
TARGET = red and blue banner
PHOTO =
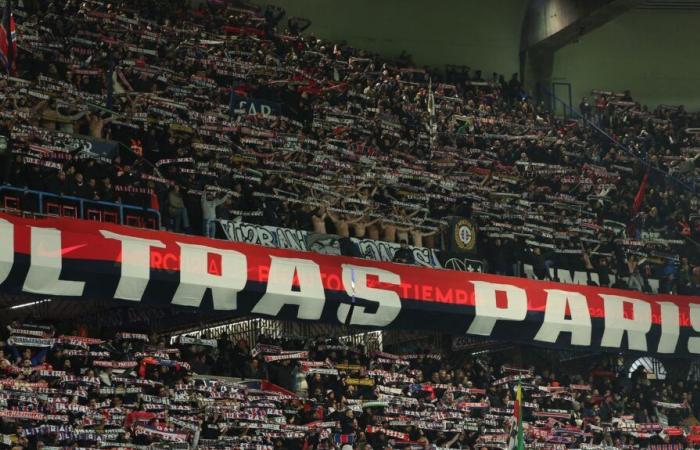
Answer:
(67, 258)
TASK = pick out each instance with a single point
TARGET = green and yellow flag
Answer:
(517, 411)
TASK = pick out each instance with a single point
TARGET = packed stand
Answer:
(222, 116)
(132, 391)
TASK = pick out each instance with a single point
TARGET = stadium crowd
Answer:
(132, 391)
(220, 115)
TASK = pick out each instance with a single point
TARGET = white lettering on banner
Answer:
(251, 234)
(243, 106)
(389, 301)
(45, 266)
(564, 311)
(564, 276)
(195, 278)
(310, 297)
(670, 327)
(292, 239)
(581, 278)
(555, 321)
(616, 324)
(384, 251)
(270, 236)
(487, 311)
(265, 235)
(694, 342)
(7, 250)
(136, 265)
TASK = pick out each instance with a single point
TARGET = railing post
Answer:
(82, 208)
(121, 214)
(41, 203)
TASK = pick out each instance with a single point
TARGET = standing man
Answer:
(209, 204)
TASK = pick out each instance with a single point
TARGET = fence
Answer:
(20, 200)
(250, 329)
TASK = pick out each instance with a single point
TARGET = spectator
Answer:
(404, 254)
(209, 204)
(77, 187)
(177, 211)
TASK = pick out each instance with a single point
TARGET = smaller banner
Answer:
(189, 340)
(462, 235)
(241, 106)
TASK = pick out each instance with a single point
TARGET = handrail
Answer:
(81, 201)
(620, 145)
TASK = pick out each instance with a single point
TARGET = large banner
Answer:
(288, 238)
(67, 258)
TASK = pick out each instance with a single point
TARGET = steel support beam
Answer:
(551, 24)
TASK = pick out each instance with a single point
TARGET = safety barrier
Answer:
(19, 200)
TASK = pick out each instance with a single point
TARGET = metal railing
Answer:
(83, 207)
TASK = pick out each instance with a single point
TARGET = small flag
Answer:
(343, 438)
(517, 410)
(637, 205)
(639, 198)
(8, 43)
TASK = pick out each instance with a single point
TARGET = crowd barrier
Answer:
(19, 200)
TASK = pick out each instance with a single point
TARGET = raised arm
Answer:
(429, 233)
(333, 217)
(357, 219)
(413, 214)
(372, 222)
(221, 200)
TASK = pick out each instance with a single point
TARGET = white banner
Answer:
(288, 238)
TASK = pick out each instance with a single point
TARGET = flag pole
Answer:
(8, 29)
(431, 114)
(518, 411)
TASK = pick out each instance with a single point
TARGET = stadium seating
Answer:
(129, 111)
(132, 391)
(293, 131)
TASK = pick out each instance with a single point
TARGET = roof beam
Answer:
(551, 24)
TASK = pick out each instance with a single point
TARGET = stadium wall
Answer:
(482, 35)
(651, 53)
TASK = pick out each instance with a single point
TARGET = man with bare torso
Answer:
(342, 223)
(395, 230)
(374, 230)
(318, 219)
(388, 231)
(417, 236)
(360, 228)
